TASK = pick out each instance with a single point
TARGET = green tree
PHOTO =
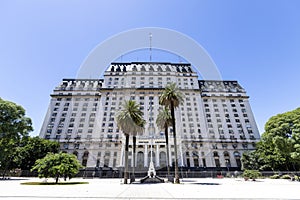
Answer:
(172, 97)
(164, 120)
(251, 160)
(32, 149)
(279, 148)
(13, 127)
(57, 165)
(130, 121)
(296, 144)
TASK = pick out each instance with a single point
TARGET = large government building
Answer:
(214, 125)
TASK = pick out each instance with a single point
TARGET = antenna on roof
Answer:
(150, 40)
(179, 58)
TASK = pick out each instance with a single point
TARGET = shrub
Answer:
(286, 176)
(251, 174)
(275, 176)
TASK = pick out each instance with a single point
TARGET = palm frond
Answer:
(171, 94)
(130, 118)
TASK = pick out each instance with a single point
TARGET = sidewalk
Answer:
(188, 189)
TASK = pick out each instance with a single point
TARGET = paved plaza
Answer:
(206, 188)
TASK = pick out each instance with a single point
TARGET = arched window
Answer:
(226, 154)
(237, 154)
(85, 158)
(215, 153)
(163, 159)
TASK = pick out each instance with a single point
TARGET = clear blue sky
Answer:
(255, 42)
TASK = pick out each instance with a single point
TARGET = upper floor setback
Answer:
(80, 84)
(220, 86)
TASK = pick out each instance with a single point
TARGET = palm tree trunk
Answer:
(132, 178)
(175, 143)
(167, 147)
(126, 158)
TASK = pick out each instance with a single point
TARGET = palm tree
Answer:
(164, 120)
(131, 122)
(171, 98)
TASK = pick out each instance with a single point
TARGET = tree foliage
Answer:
(251, 160)
(57, 165)
(130, 118)
(164, 118)
(14, 126)
(32, 149)
(279, 148)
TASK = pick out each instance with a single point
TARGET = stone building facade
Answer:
(215, 124)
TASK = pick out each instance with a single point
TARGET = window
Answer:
(66, 146)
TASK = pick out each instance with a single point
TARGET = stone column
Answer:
(146, 155)
(122, 156)
(157, 156)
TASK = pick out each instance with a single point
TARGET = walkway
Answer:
(188, 189)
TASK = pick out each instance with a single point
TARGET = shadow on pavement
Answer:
(13, 179)
(206, 183)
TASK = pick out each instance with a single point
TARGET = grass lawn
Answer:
(53, 183)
